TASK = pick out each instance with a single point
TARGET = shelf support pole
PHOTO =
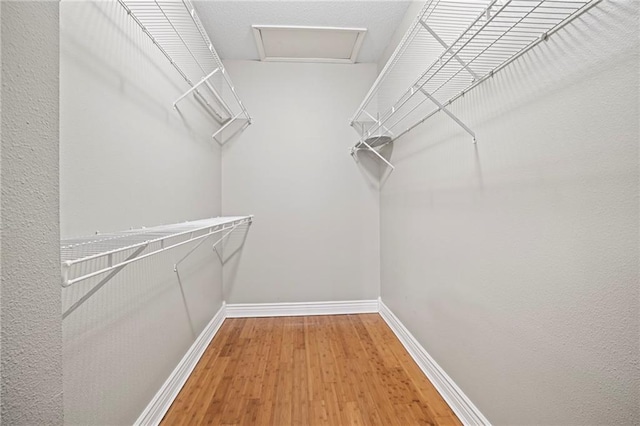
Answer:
(448, 48)
(362, 142)
(206, 236)
(449, 113)
(102, 282)
(215, 245)
(377, 120)
(231, 120)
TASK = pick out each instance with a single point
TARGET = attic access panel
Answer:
(308, 44)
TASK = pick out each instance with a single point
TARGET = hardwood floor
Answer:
(317, 370)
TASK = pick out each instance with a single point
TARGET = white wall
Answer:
(315, 236)
(129, 160)
(31, 351)
(515, 263)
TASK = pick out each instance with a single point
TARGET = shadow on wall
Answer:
(231, 257)
(108, 49)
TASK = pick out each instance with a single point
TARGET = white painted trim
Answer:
(259, 42)
(308, 60)
(157, 408)
(245, 310)
(257, 35)
(452, 394)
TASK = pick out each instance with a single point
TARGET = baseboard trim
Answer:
(159, 405)
(247, 310)
(451, 393)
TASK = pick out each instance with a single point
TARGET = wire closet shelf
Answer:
(450, 48)
(175, 28)
(86, 257)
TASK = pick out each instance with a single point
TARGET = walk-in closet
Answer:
(320, 212)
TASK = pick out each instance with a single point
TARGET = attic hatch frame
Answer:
(176, 30)
(475, 41)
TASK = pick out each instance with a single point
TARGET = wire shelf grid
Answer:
(451, 47)
(89, 256)
(175, 28)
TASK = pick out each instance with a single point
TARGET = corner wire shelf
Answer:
(174, 27)
(106, 254)
(451, 47)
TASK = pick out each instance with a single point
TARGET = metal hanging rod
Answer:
(87, 257)
(175, 28)
(451, 47)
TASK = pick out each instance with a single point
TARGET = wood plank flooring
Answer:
(316, 370)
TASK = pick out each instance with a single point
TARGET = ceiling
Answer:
(228, 23)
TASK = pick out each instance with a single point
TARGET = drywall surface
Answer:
(515, 262)
(31, 351)
(129, 160)
(315, 236)
(413, 9)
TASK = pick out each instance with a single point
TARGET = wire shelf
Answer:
(451, 47)
(86, 257)
(175, 28)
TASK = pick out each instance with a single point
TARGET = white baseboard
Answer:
(245, 310)
(157, 408)
(451, 393)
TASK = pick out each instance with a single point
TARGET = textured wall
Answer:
(129, 160)
(515, 263)
(316, 232)
(31, 389)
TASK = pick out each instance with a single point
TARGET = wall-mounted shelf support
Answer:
(448, 48)
(229, 228)
(224, 126)
(364, 145)
(102, 282)
(194, 87)
(449, 113)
